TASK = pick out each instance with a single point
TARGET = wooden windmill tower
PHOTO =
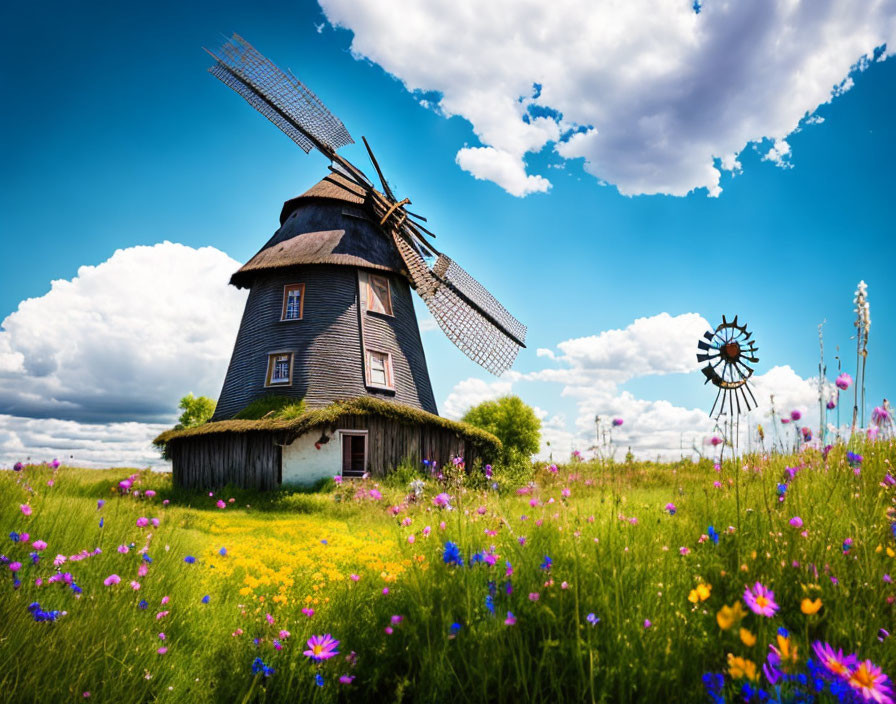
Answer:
(329, 314)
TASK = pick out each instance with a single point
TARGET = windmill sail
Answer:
(280, 97)
(470, 316)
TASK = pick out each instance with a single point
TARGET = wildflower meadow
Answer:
(760, 579)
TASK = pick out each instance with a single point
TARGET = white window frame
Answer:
(269, 372)
(342, 434)
(388, 370)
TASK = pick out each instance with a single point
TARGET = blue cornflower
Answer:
(319, 680)
(547, 563)
(14, 537)
(476, 557)
(781, 489)
(714, 682)
(146, 558)
(324, 542)
(76, 589)
(222, 552)
(490, 603)
(592, 619)
(142, 604)
(189, 559)
(102, 520)
(783, 632)
(455, 628)
(452, 555)
(205, 599)
(259, 666)
(714, 536)
(35, 557)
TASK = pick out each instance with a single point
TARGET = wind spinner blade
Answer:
(280, 97)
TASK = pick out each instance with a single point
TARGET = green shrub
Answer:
(511, 421)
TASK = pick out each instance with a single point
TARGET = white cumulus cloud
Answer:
(471, 392)
(655, 97)
(122, 340)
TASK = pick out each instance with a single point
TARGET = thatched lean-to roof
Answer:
(331, 415)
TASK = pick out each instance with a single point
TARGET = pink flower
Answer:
(155, 522)
(427, 531)
(844, 381)
(162, 650)
(761, 600)
(647, 623)
(142, 522)
(533, 596)
(796, 522)
(220, 504)
(15, 566)
(565, 492)
(165, 600)
(123, 549)
(617, 422)
(39, 545)
(346, 679)
(385, 591)
(795, 415)
(161, 615)
(142, 569)
(149, 493)
(684, 551)
(442, 500)
(308, 612)
(354, 577)
(111, 579)
(396, 620)
(26, 509)
(284, 635)
(510, 620)
(270, 619)
(58, 560)
(411, 539)
(388, 630)
(135, 586)
(715, 440)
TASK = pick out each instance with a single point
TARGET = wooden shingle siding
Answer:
(328, 361)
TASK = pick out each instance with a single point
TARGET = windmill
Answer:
(391, 238)
(728, 351)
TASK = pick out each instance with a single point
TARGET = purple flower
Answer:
(670, 508)
(761, 600)
(796, 522)
(617, 422)
(844, 381)
(795, 415)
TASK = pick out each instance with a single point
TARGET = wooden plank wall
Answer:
(248, 460)
(252, 460)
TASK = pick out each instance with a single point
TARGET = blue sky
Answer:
(116, 137)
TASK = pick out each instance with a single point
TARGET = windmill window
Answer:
(379, 369)
(293, 302)
(279, 369)
(379, 295)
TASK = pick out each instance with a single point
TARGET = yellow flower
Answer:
(786, 649)
(747, 638)
(740, 667)
(809, 607)
(729, 615)
(701, 593)
(891, 552)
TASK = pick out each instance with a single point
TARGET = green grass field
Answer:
(584, 586)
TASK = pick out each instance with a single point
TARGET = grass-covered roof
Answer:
(330, 415)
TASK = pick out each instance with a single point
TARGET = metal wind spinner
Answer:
(729, 350)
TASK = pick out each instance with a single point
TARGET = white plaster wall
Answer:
(305, 464)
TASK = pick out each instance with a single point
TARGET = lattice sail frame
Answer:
(279, 96)
(733, 349)
(466, 312)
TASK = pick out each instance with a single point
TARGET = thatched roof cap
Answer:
(330, 415)
(333, 187)
(308, 234)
